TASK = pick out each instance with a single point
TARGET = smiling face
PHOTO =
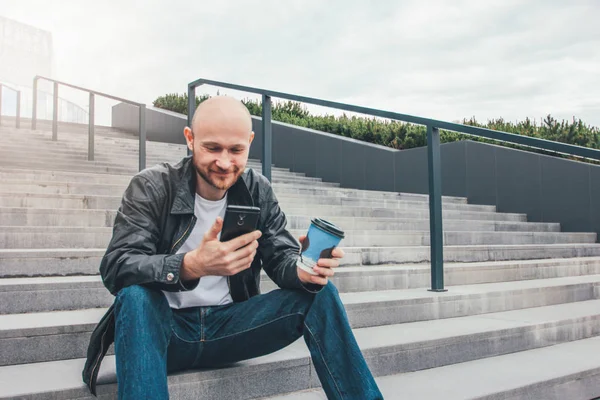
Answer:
(220, 142)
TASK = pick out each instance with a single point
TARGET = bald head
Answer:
(221, 112)
(219, 138)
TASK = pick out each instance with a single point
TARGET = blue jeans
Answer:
(151, 339)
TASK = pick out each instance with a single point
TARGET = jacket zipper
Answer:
(184, 235)
(97, 363)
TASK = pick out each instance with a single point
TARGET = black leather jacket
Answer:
(155, 218)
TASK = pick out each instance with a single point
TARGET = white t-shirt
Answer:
(212, 290)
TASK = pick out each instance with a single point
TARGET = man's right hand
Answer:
(214, 257)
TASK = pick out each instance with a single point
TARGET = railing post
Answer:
(18, 121)
(435, 209)
(142, 148)
(267, 137)
(55, 113)
(34, 104)
(1, 90)
(191, 109)
(91, 128)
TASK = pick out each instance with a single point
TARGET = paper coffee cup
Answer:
(321, 239)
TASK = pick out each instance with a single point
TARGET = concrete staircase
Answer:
(521, 318)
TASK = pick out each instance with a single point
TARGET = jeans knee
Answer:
(328, 293)
(330, 289)
(142, 322)
(138, 297)
(142, 312)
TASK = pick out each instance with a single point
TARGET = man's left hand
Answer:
(324, 268)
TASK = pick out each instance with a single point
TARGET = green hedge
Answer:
(400, 135)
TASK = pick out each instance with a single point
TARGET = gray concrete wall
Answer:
(548, 189)
(161, 125)
(330, 157)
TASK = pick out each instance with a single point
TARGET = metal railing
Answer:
(433, 151)
(18, 112)
(92, 94)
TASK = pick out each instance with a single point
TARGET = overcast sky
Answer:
(440, 59)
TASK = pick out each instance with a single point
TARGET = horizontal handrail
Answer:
(91, 115)
(542, 144)
(109, 96)
(9, 88)
(18, 111)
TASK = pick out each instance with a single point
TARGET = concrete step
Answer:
(16, 186)
(101, 147)
(81, 210)
(60, 262)
(54, 162)
(41, 294)
(122, 179)
(109, 156)
(285, 195)
(45, 127)
(51, 158)
(44, 262)
(58, 165)
(103, 152)
(132, 170)
(44, 236)
(371, 212)
(80, 143)
(411, 254)
(558, 372)
(112, 202)
(59, 201)
(413, 224)
(390, 349)
(292, 200)
(75, 141)
(83, 167)
(399, 238)
(306, 192)
(280, 189)
(116, 163)
(306, 210)
(48, 209)
(365, 309)
(73, 177)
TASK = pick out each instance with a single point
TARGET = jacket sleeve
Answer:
(278, 249)
(131, 257)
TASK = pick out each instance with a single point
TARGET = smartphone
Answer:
(238, 221)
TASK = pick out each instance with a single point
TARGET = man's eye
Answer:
(212, 149)
(237, 151)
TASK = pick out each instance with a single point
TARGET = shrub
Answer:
(401, 135)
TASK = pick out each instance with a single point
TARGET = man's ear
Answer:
(189, 137)
(251, 137)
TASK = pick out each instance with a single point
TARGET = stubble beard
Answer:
(216, 183)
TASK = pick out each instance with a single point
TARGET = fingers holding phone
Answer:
(242, 258)
(230, 254)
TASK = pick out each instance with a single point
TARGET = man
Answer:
(184, 299)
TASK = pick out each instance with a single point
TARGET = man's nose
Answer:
(224, 161)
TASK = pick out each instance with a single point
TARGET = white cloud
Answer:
(439, 59)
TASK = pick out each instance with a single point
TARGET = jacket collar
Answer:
(185, 194)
